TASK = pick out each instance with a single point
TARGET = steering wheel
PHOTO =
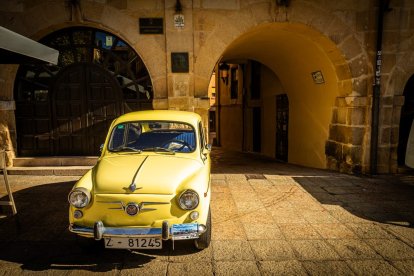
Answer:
(183, 144)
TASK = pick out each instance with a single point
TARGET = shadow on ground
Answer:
(37, 238)
(384, 198)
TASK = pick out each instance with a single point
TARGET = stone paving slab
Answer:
(268, 219)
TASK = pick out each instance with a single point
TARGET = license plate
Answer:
(133, 243)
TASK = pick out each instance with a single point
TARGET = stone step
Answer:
(55, 161)
(54, 165)
(49, 170)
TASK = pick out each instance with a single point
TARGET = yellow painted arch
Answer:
(292, 52)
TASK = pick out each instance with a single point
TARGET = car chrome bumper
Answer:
(183, 231)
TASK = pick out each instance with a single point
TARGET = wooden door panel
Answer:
(27, 142)
(282, 124)
(42, 110)
(42, 126)
(43, 142)
(257, 129)
(33, 122)
(68, 111)
(104, 103)
(74, 117)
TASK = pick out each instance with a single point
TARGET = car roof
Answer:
(160, 115)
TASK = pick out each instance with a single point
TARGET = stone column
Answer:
(179, 41)
(389, 133)
(7, 107)
(345, 146)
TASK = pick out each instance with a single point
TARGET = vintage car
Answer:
(150, 184)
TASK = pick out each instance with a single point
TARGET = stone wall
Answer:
(212, 25)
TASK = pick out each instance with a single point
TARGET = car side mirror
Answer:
(101, 148)
(207, 149)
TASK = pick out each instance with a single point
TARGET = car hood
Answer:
(152, 174)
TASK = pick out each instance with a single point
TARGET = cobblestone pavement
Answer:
(268, 218)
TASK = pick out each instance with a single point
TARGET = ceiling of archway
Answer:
(292, 51)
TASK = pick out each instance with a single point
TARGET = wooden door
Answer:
(103, 105)
(85, 100)
(68, 112)
(257, 129)
(33, 120)
(282, 123)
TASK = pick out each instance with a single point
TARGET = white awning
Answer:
(18, 49)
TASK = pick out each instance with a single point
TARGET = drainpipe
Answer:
(383, 6)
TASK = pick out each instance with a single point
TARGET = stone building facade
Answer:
(317, 55)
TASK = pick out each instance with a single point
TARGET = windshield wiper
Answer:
(126, 149)
(159, 149)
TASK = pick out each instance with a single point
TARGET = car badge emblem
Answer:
(132, 209)
(132, 187)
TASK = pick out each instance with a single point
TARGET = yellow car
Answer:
(150, 184)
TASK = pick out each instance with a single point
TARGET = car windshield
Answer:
(157, 136)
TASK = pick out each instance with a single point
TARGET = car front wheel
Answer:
(204, 240)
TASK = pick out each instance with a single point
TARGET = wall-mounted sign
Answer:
(318, 77)
(179, 62)
(179, 20)
(151, 25)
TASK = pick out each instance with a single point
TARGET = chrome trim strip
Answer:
(144, 202)
(153, 203)
(117, 231)
(141, 205)
(176, 231)
(148, 209)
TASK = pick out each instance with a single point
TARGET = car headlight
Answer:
(79, 197)
(188, 200)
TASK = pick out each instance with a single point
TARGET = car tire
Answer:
(204, 240)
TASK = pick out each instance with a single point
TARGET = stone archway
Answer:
(66, 109)
(302, 63)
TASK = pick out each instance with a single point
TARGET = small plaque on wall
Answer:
(318, 77)
(151, 25)
(179, 62)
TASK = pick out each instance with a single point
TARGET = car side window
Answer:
(118, 136)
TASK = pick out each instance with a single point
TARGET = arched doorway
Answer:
(406, 119)
(66, 109)
(277, 94)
